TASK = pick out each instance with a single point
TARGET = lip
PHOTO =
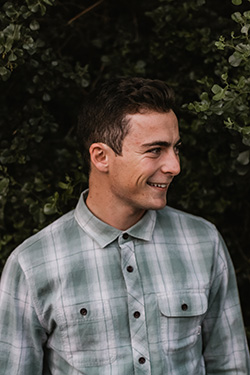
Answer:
(158, 185)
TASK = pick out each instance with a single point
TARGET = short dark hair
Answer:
(103, 114)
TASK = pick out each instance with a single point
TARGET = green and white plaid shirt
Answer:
(81, 297)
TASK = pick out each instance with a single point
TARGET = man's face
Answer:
(140, 177)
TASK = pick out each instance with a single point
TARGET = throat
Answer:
(119, 216)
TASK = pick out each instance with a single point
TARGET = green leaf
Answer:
(13, 31)
(224, 76)
(246, 140)
(4, 184)
(244, 157)
(46, 97)
(219, 92)
(48, 2)
(247, 14)
(33, 7)
(202, 106)
(241, 82)
(3, 71)
(231, 124)
(245, 29)
(19, 224)
(243, 48)
(10, 10)
(63, 185)
(43, 9)
(34, 25)
(235, 59)
(220, 45)
(246, 131)
(49, 209)
(216, 89)
(237, 17)
(12, 56)
(84, 82)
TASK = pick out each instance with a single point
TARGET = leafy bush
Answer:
(53, 53)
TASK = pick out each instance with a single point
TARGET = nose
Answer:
(171, 164)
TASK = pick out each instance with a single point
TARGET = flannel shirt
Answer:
(81, 297)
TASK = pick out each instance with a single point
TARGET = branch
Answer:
(85, 11)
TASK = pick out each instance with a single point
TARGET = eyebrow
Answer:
(160, 143)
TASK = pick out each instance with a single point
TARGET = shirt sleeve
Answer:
(21, 335)
(224, 339)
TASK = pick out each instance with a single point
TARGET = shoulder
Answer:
(59, 225)
(185, 225)
(193, 234)
(39, 248)
(173, 214)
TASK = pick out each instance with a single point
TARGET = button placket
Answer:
(136, 308)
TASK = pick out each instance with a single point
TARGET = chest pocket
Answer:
(88, 334)
(181, 315)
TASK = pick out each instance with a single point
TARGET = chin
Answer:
(159, 206)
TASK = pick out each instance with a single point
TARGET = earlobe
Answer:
(99, 156)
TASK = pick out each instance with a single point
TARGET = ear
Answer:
(99, 156)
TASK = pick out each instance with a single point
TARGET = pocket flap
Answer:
(183, 303)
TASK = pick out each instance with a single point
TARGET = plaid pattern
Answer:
(81, 297)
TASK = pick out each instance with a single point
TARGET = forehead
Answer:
(152, 126)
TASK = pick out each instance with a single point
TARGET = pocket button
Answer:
(83, 311)
(184, 307)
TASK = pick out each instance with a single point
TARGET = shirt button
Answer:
(125, 236)
(184, 307)
(130, 269)
(137, 314)
(83, 311)
(142, 360)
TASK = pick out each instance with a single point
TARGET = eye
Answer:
(155, 151)
(177, 148)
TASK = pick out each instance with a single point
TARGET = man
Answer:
(123, 285)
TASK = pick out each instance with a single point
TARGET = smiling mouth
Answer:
(163, 186)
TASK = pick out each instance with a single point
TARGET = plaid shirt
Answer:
(81, 297)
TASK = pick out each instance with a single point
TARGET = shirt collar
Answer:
(103, 233)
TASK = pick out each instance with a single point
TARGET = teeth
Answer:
(158, 185)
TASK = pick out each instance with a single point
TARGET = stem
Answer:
(85, 11)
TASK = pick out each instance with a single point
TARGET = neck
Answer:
(105, 208)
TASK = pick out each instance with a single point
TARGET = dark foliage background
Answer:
(54, 52)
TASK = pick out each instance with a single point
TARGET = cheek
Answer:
(132, 173)
(128, 180)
